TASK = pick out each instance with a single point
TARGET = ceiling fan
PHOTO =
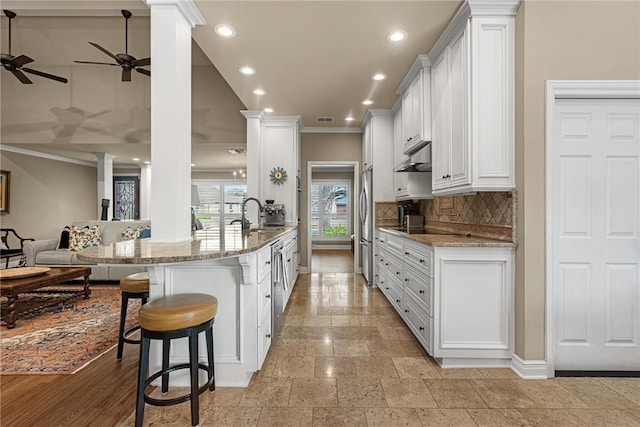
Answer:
(15, 64)
(124, 60)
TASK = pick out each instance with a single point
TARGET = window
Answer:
(330, 210)
(220, 202)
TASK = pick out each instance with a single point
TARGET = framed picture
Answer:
(5, 183)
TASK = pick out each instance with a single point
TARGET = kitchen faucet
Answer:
(244, 221)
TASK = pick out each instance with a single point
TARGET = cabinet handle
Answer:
(267, 262)
(406, 280)
(386, 287)
(289, 260)
(268, 335)
(399, 189)
(386, 263)
(421, 261)
(421, 328)
(268, 296)
(421, 291)
(406, 311)
(406, 253)
(397, 300)
(397, 273)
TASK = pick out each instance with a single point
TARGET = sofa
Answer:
(47, 253)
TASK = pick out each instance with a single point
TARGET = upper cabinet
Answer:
(415, 90)
(473, 100)
(377, 152)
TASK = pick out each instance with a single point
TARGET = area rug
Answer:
(64, 341)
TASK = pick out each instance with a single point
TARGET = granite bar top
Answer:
(445, 239)
(207, 244)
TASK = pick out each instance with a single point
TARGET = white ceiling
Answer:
(313, 58)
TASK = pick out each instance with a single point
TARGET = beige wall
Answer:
(323, 147)
(46, 195)
(561, 40)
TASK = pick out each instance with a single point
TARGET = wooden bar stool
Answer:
(167, 318)
(133, 286)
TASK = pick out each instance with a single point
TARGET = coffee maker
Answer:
(273, 213)
(404, 209)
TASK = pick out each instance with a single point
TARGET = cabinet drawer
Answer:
(264, 338)
(382, 239)
(264, 263)
(419, 287)
(394, 245)
(394, 297)
(264, 297)
(419, 256)
(419, 323)
(394, 267)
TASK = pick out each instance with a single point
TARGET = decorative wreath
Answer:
(278, 175)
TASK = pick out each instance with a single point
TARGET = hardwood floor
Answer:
(102, 394)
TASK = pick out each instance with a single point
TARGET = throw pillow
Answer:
(129, 234)
(81, 238)
(146, 233)
(64, 238)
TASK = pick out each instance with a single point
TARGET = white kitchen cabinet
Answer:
(399, 178)
(378, 142)
(415, 90)
(473, 101)
(264, 303)
(458, 301)
(272, 142)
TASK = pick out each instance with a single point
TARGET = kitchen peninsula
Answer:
(235, 267)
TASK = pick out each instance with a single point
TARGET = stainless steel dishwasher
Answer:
(278, 285)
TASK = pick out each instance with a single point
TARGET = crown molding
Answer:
(317, 129)
(188, 8)
(252, 114)
(421, 61)
(48, 156)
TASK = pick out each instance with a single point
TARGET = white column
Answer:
(105, 182)
(171, 23)
(254, 165)
(145, 191)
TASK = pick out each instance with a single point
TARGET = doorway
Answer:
(593, 226)
(332, 212)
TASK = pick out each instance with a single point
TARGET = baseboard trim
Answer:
(529, 369)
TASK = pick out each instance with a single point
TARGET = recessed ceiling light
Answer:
(268, 110)
(379, 76)
(259, 92)
(225, 31)
(367, 102)
(349, 119)
(248, 71)
(396, 36)
(193, 164)
(135, 159)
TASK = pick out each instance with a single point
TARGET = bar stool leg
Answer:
(209, 335)
(123, 314)
(195, 396)
(143, 365)
(166, 347)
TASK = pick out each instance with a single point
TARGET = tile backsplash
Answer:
(484, 214)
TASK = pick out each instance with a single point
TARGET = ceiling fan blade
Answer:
(143, 71)
(97, 46)
(98, 63)
(143, 62)
(21, 60)
(45, 75)
(24, 79)
(126, 74)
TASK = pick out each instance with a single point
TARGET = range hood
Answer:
(420, 161)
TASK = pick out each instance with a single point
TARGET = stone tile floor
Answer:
(343, 357)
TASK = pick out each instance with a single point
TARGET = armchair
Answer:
(7, 252)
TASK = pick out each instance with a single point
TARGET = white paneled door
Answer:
(595, 227)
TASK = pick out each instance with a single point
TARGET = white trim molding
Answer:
(188, 8)
(529, 369)
(572, 89)
(48, 156)
(317, 129)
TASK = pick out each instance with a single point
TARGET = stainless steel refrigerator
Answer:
(366, 226)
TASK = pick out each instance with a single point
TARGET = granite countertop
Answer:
(445, 239)
(208, 244)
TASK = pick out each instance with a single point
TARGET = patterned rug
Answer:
(67, 339)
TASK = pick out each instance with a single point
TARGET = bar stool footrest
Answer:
(129, 332)
(180, 399)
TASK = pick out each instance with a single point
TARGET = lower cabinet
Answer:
(457, 301)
